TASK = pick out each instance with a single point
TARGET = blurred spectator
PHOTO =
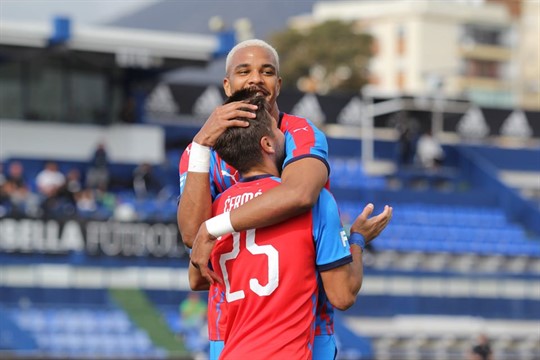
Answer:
(192, 314)
(50, 182)
(144, 182)
(105, 199)
(21, 200)
(72, 186)
(86, 202)
(406, 142)
(429, 153)
(406, 147)
(97, 175)
(4, 198)
(128, 113)
(482, 349)
(2, 176)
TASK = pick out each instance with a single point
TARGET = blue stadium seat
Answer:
(453, 229)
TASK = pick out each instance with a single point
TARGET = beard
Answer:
(280, 158)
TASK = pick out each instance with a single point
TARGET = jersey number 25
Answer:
(254, 285)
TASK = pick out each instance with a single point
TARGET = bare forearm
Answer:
(265, 210)
(196, 281)
(301, 185)
(356, 271)
(195, 206)
(342, 284)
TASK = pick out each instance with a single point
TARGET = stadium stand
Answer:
(461, 255)
(73, 324)
(434, 279)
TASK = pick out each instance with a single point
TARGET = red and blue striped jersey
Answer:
(270, 275)
(302, 139)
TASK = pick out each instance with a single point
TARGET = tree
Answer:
(328, 57)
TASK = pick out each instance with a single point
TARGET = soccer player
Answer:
(269, 279)
(203, 174)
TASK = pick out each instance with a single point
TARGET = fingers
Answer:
(362, 218)
(370, 228)
(210, 276)
(382, 220)
(238, 110)
(215, 276)
(237, 123)
(243, 105)
(223, 117)
(367, 211)
(387, 213)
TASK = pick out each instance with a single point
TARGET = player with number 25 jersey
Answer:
(270, 275)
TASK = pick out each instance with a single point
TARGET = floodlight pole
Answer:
(367, 129)
(372, 109)
(437, 116)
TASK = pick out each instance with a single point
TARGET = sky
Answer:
(80, 11)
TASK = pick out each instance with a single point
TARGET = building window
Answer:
(54, 90)
(481, 68)
(46, 92)
(88, 99)
(11, 106)
(473, 34)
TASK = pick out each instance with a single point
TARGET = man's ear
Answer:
(267, 145)
(227, 86)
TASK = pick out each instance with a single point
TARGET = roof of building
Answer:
(265, 16)
(148, 47)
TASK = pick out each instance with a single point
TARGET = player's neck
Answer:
(275, 112)
(267, 167)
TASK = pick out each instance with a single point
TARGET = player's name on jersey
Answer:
(233, 202)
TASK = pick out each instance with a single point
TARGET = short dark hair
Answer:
(239, 146)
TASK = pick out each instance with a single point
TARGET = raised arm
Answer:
(195, 205)
(343, 283)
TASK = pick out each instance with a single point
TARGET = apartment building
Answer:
(464, 49)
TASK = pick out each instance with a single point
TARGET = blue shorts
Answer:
(324, 347)
(216, 347)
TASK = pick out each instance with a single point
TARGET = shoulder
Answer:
(290, 117)
(288, 121)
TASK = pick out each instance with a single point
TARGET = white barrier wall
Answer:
(42, 140)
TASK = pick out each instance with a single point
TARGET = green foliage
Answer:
(332, 55)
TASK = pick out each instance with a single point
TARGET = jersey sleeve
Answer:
(221, 175)
(303, 139)
(331, 242)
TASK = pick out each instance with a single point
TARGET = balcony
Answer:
(485, 52)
